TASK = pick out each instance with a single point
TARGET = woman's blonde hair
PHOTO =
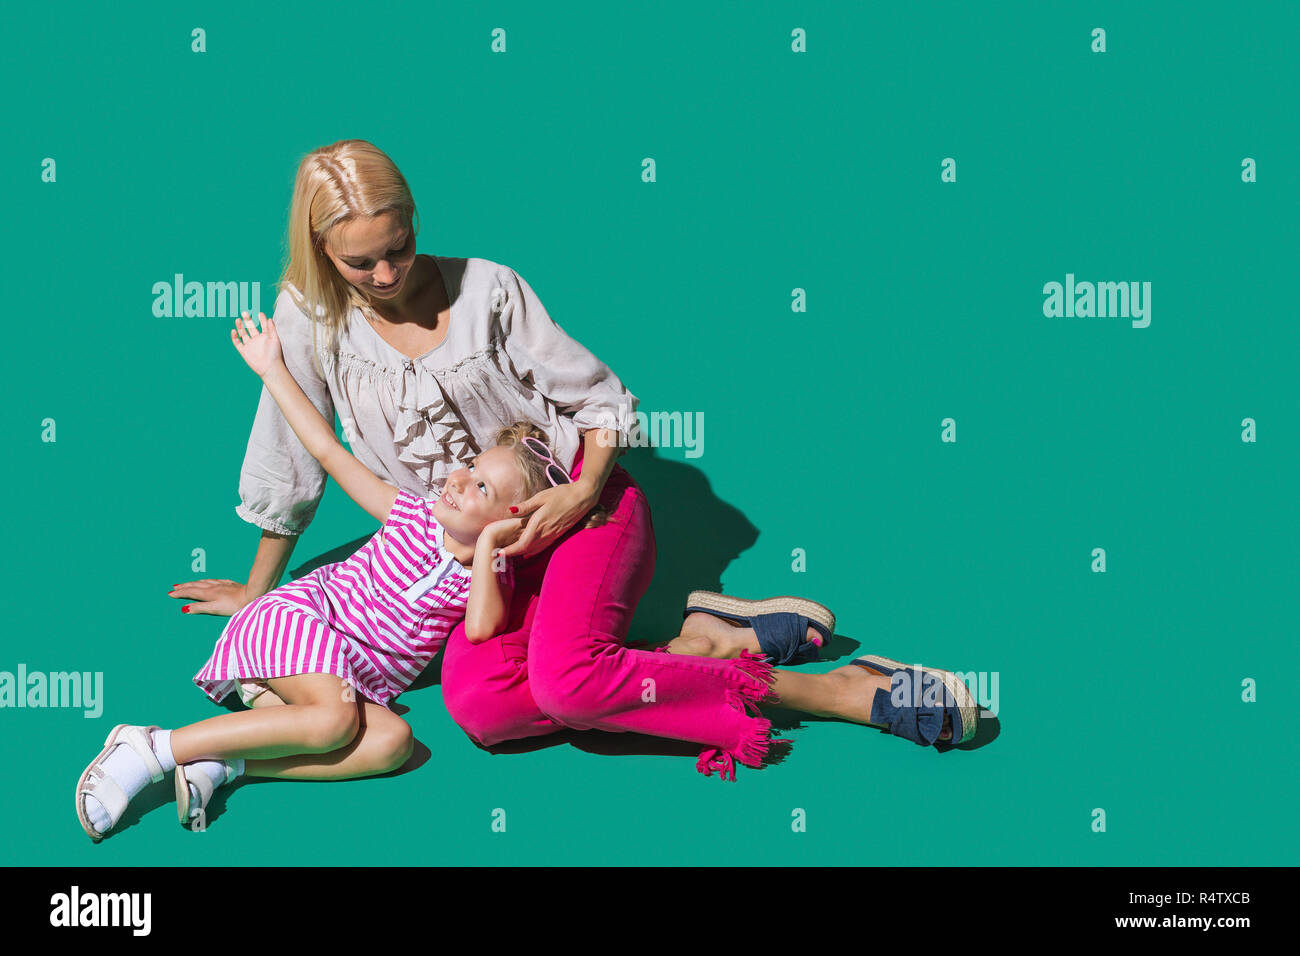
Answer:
(534, 468)
(351, 179)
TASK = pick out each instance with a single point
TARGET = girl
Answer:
(370, 623)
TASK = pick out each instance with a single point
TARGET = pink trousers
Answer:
(562, 661)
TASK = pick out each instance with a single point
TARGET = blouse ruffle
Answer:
(414, 421)
(426, 429)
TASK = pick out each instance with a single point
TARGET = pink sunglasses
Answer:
(554, 473)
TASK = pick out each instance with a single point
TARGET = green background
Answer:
(776, 171)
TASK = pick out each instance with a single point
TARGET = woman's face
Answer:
(375, 255)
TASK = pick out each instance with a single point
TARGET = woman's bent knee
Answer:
(473, 714)
(568, 690)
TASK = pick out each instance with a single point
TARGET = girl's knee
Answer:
(396, 744)
(331, 727)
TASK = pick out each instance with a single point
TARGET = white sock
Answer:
(128, 771)
(220, 772)
(162, 749)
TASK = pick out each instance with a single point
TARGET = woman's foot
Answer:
(707, 635)
(856, 691)
(785, 629)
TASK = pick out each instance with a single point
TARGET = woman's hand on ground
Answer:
(550, 513)
(222, 597)
(260, 349)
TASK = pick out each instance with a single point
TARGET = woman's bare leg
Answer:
(706, 635)
(845, 693)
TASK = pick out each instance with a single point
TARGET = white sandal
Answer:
(94, 782)
(202, 782)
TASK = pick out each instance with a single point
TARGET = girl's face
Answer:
(479, 493)
(375, 255)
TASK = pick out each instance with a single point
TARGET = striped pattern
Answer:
(376, 619)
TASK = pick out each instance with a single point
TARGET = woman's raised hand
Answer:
(261, 350)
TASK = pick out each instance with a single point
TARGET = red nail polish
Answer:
(185, 609)
(514, 510)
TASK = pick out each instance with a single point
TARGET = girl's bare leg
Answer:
(320, 714)
(383, 743)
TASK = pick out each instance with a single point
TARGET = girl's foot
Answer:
(707, 635)
(195, 783)
(132, 758)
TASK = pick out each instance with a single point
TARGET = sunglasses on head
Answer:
(554, 473)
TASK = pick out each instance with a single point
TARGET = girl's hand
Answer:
(261, 350)
(550, 513)
(501, 533)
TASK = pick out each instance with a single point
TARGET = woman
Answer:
(424, 358)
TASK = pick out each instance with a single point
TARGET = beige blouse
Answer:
(413, 421)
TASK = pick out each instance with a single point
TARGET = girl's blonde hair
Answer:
(351, 179)
(534, 468)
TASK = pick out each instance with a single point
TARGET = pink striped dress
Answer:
(375, 619)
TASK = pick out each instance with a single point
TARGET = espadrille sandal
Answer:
(94, 782)
(927, 695)
(781, 623)
(186, 774)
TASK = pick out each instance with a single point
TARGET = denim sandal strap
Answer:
(784, 638)
(918, 723)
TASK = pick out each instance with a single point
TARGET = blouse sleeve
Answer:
(543, 355)
(280, 483)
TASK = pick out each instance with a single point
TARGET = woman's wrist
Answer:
(273, 553)
(599, 456)
(591, 486)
